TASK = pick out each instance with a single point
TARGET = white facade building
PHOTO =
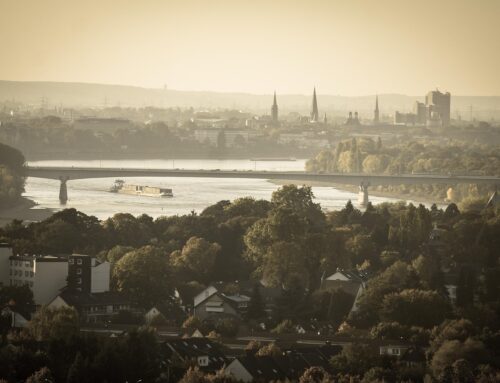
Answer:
(45, 275)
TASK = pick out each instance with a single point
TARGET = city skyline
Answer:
(345, 48)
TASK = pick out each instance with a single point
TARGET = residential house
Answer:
(352, 282)
(212, 304)
(180, 354)
(94, 307)
(255, 369)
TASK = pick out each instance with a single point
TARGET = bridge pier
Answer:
(63, 190)
(363, 193)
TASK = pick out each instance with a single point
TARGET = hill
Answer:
(98, 95)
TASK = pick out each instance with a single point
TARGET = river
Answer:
(92, 197)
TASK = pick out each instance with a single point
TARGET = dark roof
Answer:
(189, 348)
(262, 368)
(78, 299)
(292, 364)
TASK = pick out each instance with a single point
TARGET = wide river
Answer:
(92, 196)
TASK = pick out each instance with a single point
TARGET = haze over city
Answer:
(229, 191)
(345, 48)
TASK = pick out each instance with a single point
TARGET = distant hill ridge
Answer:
(71, 94)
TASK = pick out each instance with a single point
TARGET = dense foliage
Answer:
(11, 175)
(411, 254)
(364, 155)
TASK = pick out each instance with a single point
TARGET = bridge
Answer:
(64, 174)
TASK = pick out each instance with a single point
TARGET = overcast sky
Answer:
(345, 47)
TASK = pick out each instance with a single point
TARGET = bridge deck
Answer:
(343, 178)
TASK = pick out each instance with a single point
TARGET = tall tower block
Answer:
(314, 111)
(274, 109)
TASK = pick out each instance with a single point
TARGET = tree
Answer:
(50, 323)
(415, 307)
(227, 327)
(300, 201)
(41, 376)
(117, 252)
(194, 375)
(78, 371)
(355, 359)
(19, 297)
(192, 323)
(270, 349)
(465, 287)
(284, 327)
(256, 305)
(198, 256)
(315, 375)
(144, 274)
(456, 329)
(454, 350)
(289, 244)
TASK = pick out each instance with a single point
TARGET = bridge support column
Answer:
(363, 194)
(63, 190)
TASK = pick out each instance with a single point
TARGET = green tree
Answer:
(415, 307)
(41, 376)
(454, 350)
(270, 349)
(145, 275)
(78, 371)
(256, 305)
(117, 252)
(49, 323)
(284, 327)
(355, 359)
(198, 256)
(315, 375)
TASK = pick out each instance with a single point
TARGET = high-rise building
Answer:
(274, 109)
(314, 111)
(376, 112)
(438, 107)
(86, 274)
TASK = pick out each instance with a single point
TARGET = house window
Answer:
(32, 274)
(79, 281)
(78, 261)
(395, 351)
(27, 263)
(71, 261)
(26, 273)
(78, 271)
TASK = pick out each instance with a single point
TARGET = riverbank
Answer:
(26, 210)
(371, 191)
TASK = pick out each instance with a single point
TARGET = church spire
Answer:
(314, 111)
(274, 109)
(376, 113)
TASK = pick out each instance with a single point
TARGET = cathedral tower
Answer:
(274, 109)
(314, 111)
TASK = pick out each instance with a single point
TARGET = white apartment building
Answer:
(45, 275)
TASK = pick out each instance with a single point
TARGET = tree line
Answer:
(365, 155)
(409, 253)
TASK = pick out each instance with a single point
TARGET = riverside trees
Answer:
(12, 175)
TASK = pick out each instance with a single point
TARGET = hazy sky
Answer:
(346, 47)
